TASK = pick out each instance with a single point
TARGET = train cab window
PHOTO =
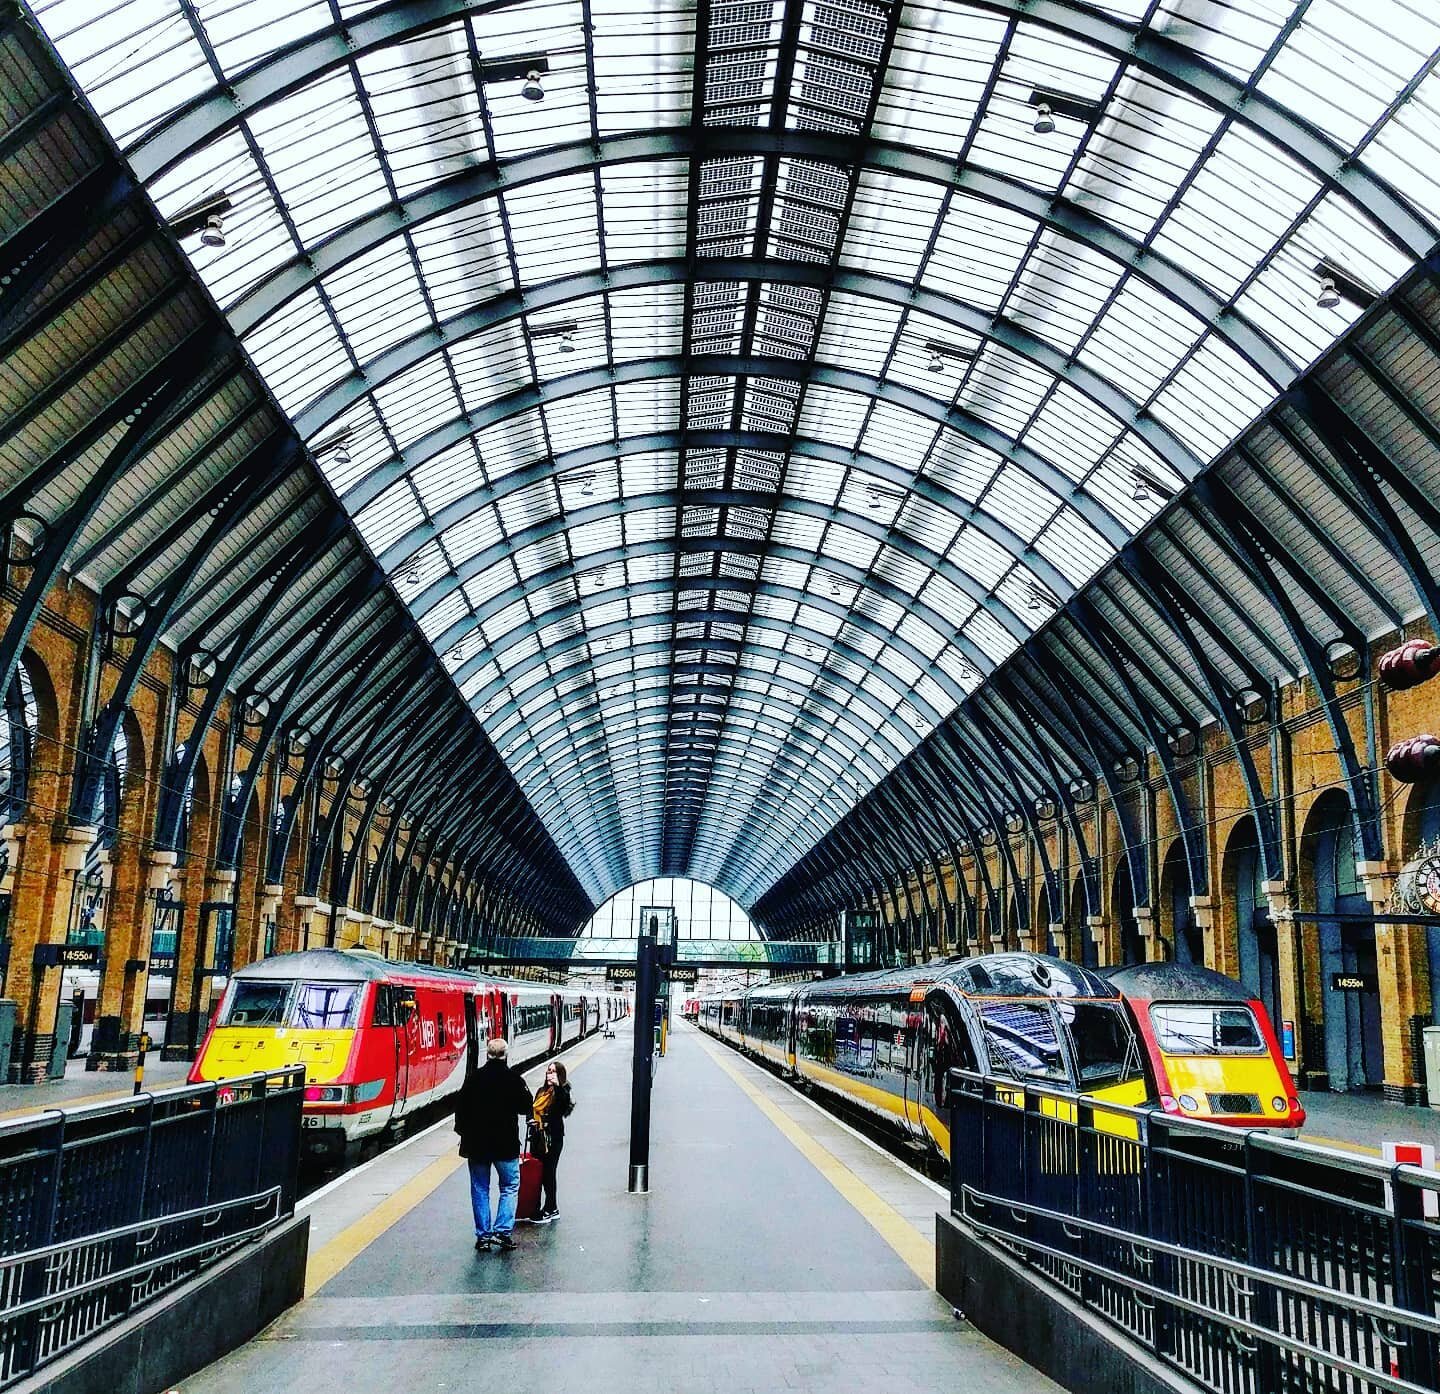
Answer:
(387, 1006)
(325, 1006)
(1102, 1042)
(1023, 1041)
(257, 1003)
(1196, 1028)
(440, 1029)
(950, 1048)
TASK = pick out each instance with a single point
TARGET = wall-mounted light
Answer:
(207, 217)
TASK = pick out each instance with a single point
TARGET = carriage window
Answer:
(257, 1004)
(1191, 1028)
(1022, 1041)
(325, 1006)
(1101, 1040)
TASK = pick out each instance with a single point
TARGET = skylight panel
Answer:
(1073, 432)
(1239, 206)
(1060, 289)
(554, 227)
(644, 207)
(898, 434)
(417, 401)
(300, 358)
(463, 258)
(858, 333)
(472, 535)
(1140, 338)
(986, 633)
(1212, 398)
(391, 515)
(642, 64)
(977, 250)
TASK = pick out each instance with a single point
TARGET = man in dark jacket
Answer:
(487, 1117)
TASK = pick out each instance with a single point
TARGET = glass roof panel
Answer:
(819, 504)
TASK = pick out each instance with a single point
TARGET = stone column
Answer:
(1059, 938)
(1288, 955)
(305, 914)
(1399, 951)
(271, 895)
(1203, 908)
(1097, 927)
(1145, 928)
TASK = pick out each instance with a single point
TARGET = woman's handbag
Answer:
(536, 1142)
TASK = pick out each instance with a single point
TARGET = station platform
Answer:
(777, 1249)
(1363, 1122)
(81, 1086)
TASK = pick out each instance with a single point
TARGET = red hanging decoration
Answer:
(1414, 759)
(1414, 662)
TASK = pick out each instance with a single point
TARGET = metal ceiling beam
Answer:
(1140, 46)
(937, 411)
(578, 158)
(574, 462)
(514, 306)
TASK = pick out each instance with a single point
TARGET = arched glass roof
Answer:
(726, 417)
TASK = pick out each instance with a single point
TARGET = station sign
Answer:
(67, 956)
(162, 963)
(620, 973)
(1354, 982)
(681, 973)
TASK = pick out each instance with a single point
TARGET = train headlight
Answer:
(1278, 1104)
(325, 1094)
(1187, 1102)
(1168, 1104)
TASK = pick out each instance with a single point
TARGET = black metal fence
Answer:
(1253, 1263)
(106, 1208)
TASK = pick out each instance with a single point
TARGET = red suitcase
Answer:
(527, 1206)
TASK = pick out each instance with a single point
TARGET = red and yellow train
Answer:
(382, 1040)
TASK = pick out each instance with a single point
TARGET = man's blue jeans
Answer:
(508, 1174)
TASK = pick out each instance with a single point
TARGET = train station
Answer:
(846, 588)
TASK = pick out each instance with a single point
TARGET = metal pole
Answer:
(642, 1063)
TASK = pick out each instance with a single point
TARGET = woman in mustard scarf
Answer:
(553, 1105)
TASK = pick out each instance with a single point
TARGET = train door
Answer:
(472, 1034)
(913, 1058)
(557, 1021)
(398, 1007)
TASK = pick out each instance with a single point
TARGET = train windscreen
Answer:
(325, 1006)
(1022, 1041)
(1104, 1046)
(1194, 1028)
(257, 1003)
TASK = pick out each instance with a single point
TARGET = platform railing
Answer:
(1250, 1262)
(104, 1209)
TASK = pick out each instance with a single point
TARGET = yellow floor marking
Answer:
(347, 1246)
(917, 1252)
(1307, 1136)
(79, 1102)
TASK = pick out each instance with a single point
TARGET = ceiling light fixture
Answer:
(214, 231)
(567, 342)
(1139, 493)
(1049, 104)
(532, 90)
(342, 453)
(1337, 284)
(937, 362)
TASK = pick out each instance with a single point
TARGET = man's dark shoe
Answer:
(483, 1243)
(504, 1243)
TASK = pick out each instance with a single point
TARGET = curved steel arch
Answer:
(569, 462)
(514, 305)
(655, 758)
(768, 719)
(211, 113)
(808, 373)
(739, 618)
(734, 646)
(1059, 214)
(577, 604)
(664, 648)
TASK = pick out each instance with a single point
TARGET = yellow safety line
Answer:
(79, 1102)
(1306, 1136)
(327, 1261)
(347, 1246)
(917, 1252)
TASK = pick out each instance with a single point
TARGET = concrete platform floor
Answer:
(1361, 1122)
(776, 1250)
(81, 1087)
